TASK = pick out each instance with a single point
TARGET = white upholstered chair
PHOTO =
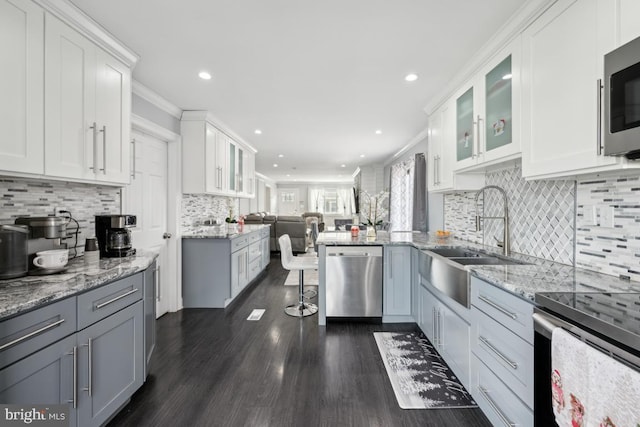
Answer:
(289, 262)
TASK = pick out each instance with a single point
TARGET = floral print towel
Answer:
(590, 388)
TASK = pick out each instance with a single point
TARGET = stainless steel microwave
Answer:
(622, 101)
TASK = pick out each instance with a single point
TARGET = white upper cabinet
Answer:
(487, 113)
(441, 155)
(563, 53)
(87, 108)
(250, 173)
(212, 162)
(628, 20)
(21, 86)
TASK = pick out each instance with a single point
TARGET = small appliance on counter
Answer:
(13, 251)
(114, 236)
(45, 234)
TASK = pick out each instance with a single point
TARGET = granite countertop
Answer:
(539, 275)
(218, 232)
(26, 293)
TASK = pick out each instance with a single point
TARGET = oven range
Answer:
(609, 322)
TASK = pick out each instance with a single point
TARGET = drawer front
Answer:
(264, 233)
(254, 237)
(255, 267)
(29, 332)
(239, 243)
(101, 302)
(509, 310)
(497, 401)
(506, 354)
(254, 251)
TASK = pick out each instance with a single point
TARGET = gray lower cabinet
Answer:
(110, 364)
(502, 354)
(396, 304)
(43, 377)
(447, 325)
(95, 367)
(150, 277)
(215, 271)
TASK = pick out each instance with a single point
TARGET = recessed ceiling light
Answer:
(257, 132)
(412, 77)
(275, 165)
(280, 155)
(204, 75)
(288, 174)
(361, 155)
(343, 166)
(378, 132)
(507, 76)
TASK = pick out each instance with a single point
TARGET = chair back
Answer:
(286, 253)
(314, 235)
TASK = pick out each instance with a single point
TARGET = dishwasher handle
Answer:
(354, 255)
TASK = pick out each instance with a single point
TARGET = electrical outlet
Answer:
(590, 214)
(57, 210)
(607, 219)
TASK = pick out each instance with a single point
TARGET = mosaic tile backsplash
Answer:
(541, 215)
(616, 250)
(32, 197)
(198, 207)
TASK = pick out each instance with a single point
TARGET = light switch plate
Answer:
(607, 216)
(590, 214)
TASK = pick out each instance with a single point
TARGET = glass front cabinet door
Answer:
(487, 113)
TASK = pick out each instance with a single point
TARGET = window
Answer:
(331, 200)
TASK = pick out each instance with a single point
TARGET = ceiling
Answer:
(318, 78)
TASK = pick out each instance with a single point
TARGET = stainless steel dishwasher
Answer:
(354, 281)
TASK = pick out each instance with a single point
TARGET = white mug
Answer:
(55, 258)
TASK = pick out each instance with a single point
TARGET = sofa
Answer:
(294, 226)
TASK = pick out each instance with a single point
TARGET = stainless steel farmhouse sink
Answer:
(444, 269)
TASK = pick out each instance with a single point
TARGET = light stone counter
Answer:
(215, 232)
(29, 292)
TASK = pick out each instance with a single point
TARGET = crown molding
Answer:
(149, 95)
(412, 143)
(509, 31)
(91, 29)
(143, 125)
(197, 115)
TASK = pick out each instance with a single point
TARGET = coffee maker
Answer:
(45, 233)
(114, 236)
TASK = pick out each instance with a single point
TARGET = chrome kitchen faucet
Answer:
(506, 247)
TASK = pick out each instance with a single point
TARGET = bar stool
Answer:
(289, 262)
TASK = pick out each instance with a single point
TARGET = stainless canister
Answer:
(13, 251)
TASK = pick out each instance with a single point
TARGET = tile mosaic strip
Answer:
(197, 207)
(36, 197)
(616, 250)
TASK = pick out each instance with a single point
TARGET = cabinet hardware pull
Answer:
(112, 300)
(104, 150)
(478, 141)
(156, 279)
(599, 122)
(133, 174)
(31, 334)
(434, 327)
(498, 352)
(94, 128)
(89, 345)
(497, 307)
(485, 393)
(435, 176)
(440, 329)
(74, 353)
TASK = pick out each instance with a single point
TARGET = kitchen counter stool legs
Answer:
(289, 262)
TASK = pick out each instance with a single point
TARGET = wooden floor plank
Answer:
(212, 367)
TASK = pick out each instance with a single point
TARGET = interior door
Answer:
(146, 197)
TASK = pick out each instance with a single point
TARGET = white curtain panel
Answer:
(316, 199)
(401, 203)
(345, 196)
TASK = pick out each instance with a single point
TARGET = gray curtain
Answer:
(420, 193)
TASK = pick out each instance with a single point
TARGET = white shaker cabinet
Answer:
(563, 54)
(87, 108)
(21, 86)
(397, 284)
(441, 154)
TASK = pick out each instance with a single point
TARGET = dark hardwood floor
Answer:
(212, 367)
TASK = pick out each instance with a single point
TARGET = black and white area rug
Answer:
(420, 377)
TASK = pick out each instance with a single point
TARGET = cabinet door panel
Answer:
(69, 97)
(465, 126)
(426, 308)
(397, 281)
(454, 343)
(21, 86)
(115, 362)
(498, 106)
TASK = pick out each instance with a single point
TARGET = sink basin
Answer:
(457, 253)
(485, 261)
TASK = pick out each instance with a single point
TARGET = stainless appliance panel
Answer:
(622, 100)
(354, 281)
